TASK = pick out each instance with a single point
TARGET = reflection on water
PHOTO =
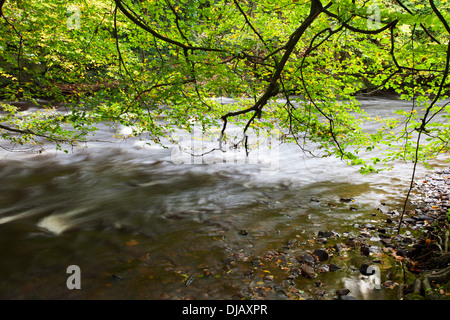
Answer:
(141, 227)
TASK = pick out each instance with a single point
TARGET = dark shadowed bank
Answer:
(429, 256)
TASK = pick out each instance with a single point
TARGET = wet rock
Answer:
(389, 284)
(248, 273)
(338, 247)
(334, 267)
(308, 271)
(228, 260)
(407, 240)
(257, 263)
(239, 256)
(402, 252)
(369, 226)
(321, 240)
(393, 213)
(243, 232)
(271, 253)
(342, 292)
(268, 278)
(321, 254)
(323, 268)
(290, 243)
(384, 236)
(365, 234)
(352, 242)
(409, 221)
(320, 292)
(387, 242)
(295, 272)
(326, 234)
(365, 250)
(306, 259)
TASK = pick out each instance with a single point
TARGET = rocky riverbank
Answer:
(413, 263)
(429, 257)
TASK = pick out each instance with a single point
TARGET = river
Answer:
(143, 224)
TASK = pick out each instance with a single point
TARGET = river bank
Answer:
(429, 257)
(413, 262)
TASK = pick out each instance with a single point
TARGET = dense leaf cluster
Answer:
(296, 67)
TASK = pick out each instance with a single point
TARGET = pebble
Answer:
(338, 247)
(369, 226)
(243, 232)
(323, 268)
(342, 292)
(326, 234)
(306, 258)
(365, 250)
(308, 271)
(321, 254)
(321, 240)
(268, 278)
(334, 267)
(320, 292)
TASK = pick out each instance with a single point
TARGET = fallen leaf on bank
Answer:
(131, 242)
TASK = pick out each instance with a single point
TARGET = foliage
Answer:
(295, 66)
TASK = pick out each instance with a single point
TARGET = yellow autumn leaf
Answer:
(131, 242)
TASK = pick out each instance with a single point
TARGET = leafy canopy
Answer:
(296, 67)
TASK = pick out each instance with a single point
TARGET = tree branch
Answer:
(133, 17)
(274, 86)
(439, 14)
(346, 25)
(2, 2)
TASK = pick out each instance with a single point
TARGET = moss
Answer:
(414, 296)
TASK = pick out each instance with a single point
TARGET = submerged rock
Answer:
(321, 254)
(306, 259)
(323, 268)
(338, 247)
(342, 292)
(308, 271)
(334, 267)
(327, 234)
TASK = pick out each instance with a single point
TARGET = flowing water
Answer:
(143, 226)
